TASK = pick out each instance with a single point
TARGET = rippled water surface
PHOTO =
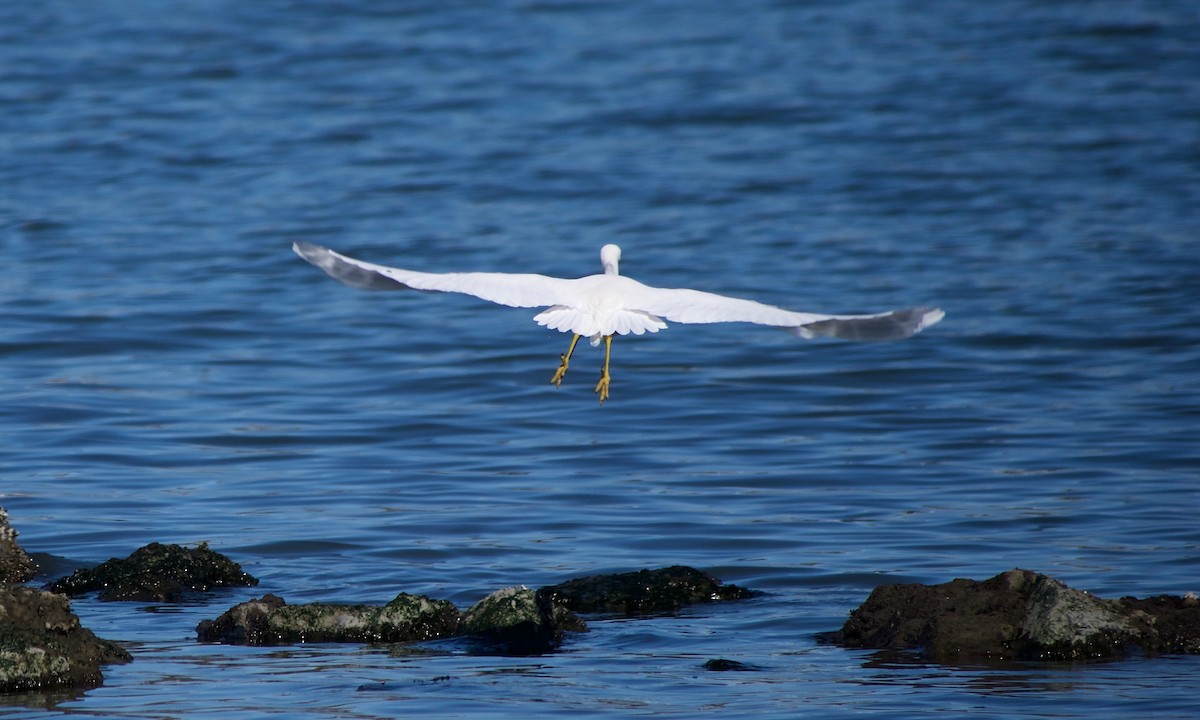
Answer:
(172, 373)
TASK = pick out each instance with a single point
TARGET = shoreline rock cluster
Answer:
(1018, 615)
(510, 621)
(43, 646)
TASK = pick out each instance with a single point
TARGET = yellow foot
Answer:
(602, 387)
(560, 373)
(565, 360)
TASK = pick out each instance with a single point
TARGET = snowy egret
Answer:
(600, 306)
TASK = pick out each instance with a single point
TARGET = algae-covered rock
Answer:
(1017, 615)
(519, 621)
(42, 644)
(15, 565)
(157, 573)
(643, 591)
(271, 621)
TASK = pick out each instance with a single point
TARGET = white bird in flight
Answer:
(600, 306)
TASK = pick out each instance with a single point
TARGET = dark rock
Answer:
(723, 665)
(271, 621)
(1166, 623)
(157, 573)
(643, 591)
(1017, 615)
(246, 623)
(518, 621)
(15, 565)
(42, 644)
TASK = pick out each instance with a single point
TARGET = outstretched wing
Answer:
(694, 306)
(513, 290)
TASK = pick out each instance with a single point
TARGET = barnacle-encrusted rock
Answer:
(271, 621)
(15, 565)
(42, 644)
(157, 573)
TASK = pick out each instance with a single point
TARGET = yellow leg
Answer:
(566, 360)
(602, 386)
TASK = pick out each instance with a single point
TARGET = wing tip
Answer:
(895, 325)
(307, 250)
(929, 317)
(345, 270)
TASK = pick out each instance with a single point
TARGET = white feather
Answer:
(609, 304)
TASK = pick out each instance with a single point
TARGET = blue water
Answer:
(170, 372)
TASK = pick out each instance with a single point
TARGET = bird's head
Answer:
(610, 256)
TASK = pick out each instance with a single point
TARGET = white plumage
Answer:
(600, 306)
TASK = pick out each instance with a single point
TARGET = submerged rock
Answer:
(519, 621)
(643, 591)
(15, 565)
(1018, 615)
(157, 573)
(271, 621)
(42, 644)
(726, 665)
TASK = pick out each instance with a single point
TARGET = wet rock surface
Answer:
(42, 644)
(1018, 615)
(157, 573)
(519, 621)
(15, 565)
(269, 620)
(643, 591)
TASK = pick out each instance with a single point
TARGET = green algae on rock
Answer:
(269, 620)
(42, 644)
(644, 591)
(157, 573)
